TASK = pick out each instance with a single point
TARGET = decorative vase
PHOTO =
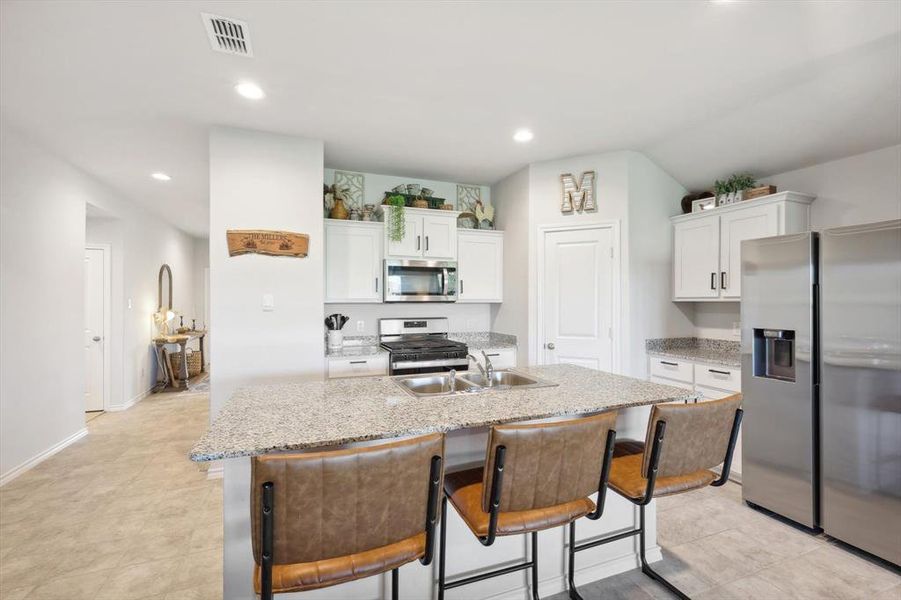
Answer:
(339, 211)
(369, 212)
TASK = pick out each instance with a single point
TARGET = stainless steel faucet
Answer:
(481, 370)
(489, 368)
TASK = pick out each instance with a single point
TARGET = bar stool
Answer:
(537, 476)
(325, 518)
(683, 442)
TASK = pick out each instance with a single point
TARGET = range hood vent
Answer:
(228, 35)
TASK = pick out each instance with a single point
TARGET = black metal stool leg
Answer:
(535, 566)
(394, 584)
(645, 568)
(442, 547)
(573, 592)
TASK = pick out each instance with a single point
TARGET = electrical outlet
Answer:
(361, 326)
(268, 302)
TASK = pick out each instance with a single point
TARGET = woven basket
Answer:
(194, 363)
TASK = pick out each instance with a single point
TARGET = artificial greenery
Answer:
(736, 183)
(396, 225)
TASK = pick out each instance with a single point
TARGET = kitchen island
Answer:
(321, 414)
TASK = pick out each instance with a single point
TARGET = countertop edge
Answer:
(386, 435)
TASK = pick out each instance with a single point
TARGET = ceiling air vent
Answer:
(228, 35)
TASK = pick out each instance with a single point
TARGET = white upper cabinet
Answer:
(696, 257)
(428, 233)
(750, 224)
(480, 266)
(707, 245)
(353, 261)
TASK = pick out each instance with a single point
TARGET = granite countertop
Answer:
(269, 418)
(706, 350)
(481, 340)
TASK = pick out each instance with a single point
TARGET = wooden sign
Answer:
(270, 243)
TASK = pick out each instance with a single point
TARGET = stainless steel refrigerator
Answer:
(821, 378)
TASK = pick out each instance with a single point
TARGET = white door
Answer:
(93, 328)
(480, 260)
(578, 282)
(696, 258)
(411, 244)
(439, 237)
(748, 224)
(353, 262)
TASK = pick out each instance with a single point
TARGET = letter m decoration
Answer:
(581, 197)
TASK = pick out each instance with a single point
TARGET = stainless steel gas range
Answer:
(421, 345)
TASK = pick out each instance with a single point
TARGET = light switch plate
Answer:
(268, 302)
(361, 326)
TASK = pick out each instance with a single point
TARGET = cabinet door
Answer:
(696, 258)
(411, 244)
(439, 237)
(747, 224)
(353, 262)
(480, 260)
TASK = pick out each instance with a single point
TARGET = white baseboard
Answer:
(216, 471)
(130, 403)
(39, 458)
(584, 576)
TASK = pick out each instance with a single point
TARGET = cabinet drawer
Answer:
(716, 376)
(358, 366)
(501, 358)
(671, 368)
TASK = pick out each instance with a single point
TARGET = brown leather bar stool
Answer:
(683, 442)
(538, 476)
(325, 518)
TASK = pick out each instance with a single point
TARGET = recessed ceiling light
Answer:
(161, 176)
(250, 90)
(523, 135)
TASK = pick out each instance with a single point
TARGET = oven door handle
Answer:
(444, 288)
(443, 362)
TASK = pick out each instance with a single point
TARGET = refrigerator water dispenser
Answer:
(774, 354)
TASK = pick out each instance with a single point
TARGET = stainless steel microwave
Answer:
(420, 280)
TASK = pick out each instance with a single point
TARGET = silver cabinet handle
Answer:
(376, 285)
(358, 362)
(96, 338)
(723, 280)
(550, 346)
(461, 287)
(426, 243)
(669, 364)
(494, 354)
(418, 239)
(719, 372)
(713, 281)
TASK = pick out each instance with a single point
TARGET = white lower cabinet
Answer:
(358, 366)
(501, 358)
(712, 382)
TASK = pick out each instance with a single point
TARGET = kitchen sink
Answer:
(432, 385)
(442, 384)
(498, 378)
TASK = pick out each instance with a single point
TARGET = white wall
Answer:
(511, 201)
(376, 185)
(858, 189)
(261, 181)
(461, 317)
(654, 197)
(42, 216)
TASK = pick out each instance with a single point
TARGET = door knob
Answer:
(96, 338)
(549, 345)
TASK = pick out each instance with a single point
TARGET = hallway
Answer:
(121, 514)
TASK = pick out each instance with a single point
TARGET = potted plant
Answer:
(739, 183)
(721, 190)
(395, 222)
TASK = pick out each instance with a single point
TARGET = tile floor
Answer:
(124, 515)
(121, 514)
(716, 548)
